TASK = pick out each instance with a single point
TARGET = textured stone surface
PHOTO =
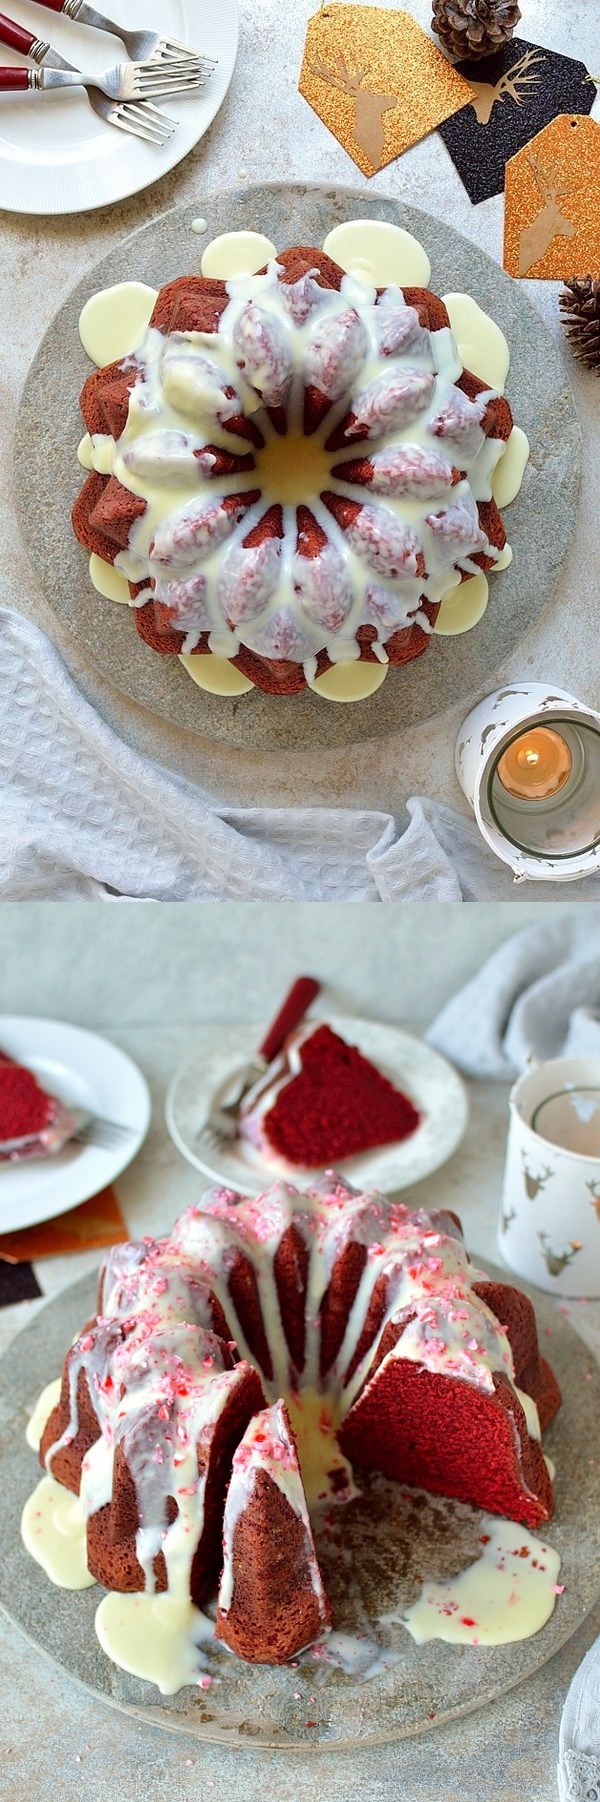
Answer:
(265, 129)
(505, 1753)
(464, 666)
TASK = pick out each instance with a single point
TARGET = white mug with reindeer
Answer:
(549, 1228)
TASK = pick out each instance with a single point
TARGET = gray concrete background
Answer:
(142, 964)
(264, 131)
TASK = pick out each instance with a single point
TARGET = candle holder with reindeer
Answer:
(549, 1229)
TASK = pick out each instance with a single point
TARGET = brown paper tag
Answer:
(96, 1222)
(551, 215)
(376, 81)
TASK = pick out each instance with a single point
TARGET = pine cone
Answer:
(474, 28)
(580, 309)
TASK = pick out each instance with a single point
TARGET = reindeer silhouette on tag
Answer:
(549, 222)
(513, 85)
(369, 107)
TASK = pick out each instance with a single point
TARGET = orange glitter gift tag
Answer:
(376, 81)
(551, 214)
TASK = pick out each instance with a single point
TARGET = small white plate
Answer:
(57, 156)
(84, 1071)
(432, 1084)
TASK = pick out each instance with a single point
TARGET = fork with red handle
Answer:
(136, 115)
(141, 46)
(222, 1117)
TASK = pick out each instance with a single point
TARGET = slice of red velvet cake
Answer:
(29, 1113)
(271, 1597)
(321, 1101)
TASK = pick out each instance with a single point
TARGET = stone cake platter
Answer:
(540, 523)
(393, 1541)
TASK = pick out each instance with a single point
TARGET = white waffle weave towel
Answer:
(82, 815)
(579, 1741)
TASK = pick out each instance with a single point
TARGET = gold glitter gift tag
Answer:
(551, 215)
(376, 81)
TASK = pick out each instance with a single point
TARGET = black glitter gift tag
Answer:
(17, 1283)
(516, 92)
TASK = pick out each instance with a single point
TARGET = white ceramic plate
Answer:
(57, 156)
(84, 1071)
(432, 1084)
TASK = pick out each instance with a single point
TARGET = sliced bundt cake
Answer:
(238, 1370)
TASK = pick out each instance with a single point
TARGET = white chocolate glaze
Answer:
(108, 581)
(504, 559)
(216, 675)
(463, 607)
(113, 321)
(236, 253)
(158, 1637)
(41, 1413)
(349, 681)
(510, 469)
(97, 452)
(53, 1531)
(482, 346)
(379, 253)
(507, 1594)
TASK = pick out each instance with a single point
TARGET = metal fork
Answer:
(126, 81)
(141, 118)
(222, 1118)
(90, 1129)
(141, 46)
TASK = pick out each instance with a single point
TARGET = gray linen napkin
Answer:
(538, 996)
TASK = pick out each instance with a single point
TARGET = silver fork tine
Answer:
(135, 119)
(149, 107)
(144, 88)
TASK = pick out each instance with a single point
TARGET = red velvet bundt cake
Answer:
(367, 1321)
(29, 1114)
(292, 470)
(321, 1101)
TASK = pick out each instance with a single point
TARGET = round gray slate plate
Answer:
(540, 524)
(390, 1542)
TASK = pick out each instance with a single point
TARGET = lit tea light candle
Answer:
(536, 765)
(528, 761)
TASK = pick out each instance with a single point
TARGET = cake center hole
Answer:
(326, 1473)
(293, 469)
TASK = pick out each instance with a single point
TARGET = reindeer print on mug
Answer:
(534, 1185)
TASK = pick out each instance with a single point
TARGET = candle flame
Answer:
(536, 765)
